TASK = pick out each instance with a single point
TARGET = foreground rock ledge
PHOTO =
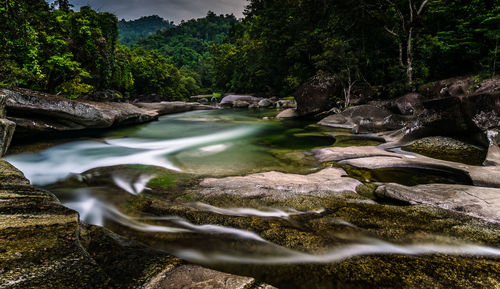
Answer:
(43, 245)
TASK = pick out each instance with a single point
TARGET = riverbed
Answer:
(170, 184)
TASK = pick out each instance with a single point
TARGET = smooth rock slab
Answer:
(196, 277)
(163, 108)
(375, 158)
(474, 201)
(288, 113)
(281, 185)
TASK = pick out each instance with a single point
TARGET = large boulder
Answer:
(314, 95)
(409, 104)
(470, 115)
(364, 118)
(232, 99)
(40, 113)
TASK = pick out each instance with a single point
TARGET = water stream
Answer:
(110, 179)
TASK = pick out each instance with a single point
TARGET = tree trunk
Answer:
(409, 58)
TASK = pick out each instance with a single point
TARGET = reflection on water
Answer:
(213, 142)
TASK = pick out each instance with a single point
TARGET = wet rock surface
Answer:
(474, 201)
(448, 149)
(364, 118)
(35, 112)
(310, 216)
(7, 127)
(196, 277)
(44, 245)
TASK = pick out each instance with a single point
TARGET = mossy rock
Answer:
(449, 149)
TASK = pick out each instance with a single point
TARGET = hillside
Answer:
(133, 30)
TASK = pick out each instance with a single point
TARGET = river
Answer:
(143, 182)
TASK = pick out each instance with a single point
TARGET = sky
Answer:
(172, 10)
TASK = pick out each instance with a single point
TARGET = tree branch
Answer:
(422, 7)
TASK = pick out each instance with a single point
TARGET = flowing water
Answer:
(117, 179)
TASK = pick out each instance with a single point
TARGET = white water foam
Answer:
(94, 211)
(133, 186)
(270, 213)
(64, 160)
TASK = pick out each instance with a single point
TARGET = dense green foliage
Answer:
(278, 45)
(188, 44)
(76, 53)
(134, 30)
(281, 43)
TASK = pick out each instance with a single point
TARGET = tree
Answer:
(63, 5)
(400, 19)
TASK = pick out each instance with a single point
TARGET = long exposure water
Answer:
(108, 178)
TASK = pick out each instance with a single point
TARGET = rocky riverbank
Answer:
(37, 113)
(403, 202)
(44, 245)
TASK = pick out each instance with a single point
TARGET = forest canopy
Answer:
(281, 43)
(54, 49)
(276, 47)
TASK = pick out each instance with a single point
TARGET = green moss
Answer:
(165, 181)
(407, 176)
(448, 149)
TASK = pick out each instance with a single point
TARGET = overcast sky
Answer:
(173, 10)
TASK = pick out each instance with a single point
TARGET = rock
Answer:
(35, 112)
(108, 95)
(314, 95)
(240, 104)
(265, 103)
(52, 113)
(449, 149)
(474, 201)
(409, 104)
(488, 86)
(196, 277)
(229, 101)
(463, 116)
(163, 108)
(276, 185)
(453, 87)
(364, 118)
(373, 158)
(286, 103)
(7, 129)
(288, 113)
(43, 245)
